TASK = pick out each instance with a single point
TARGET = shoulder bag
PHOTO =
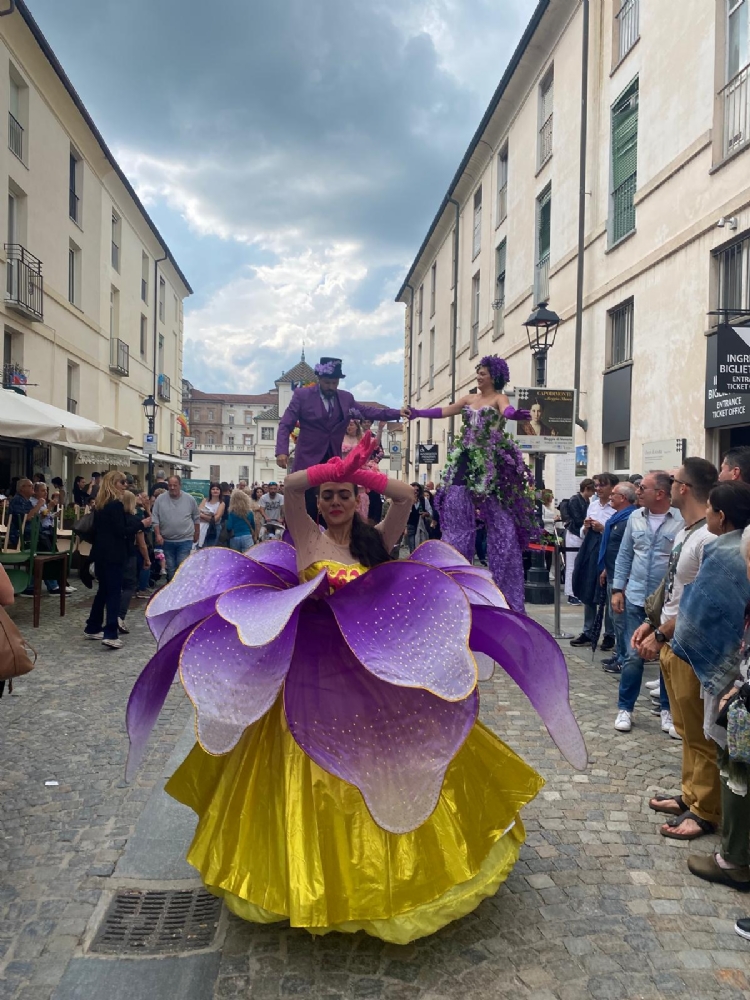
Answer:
(14, 651)
(84, 527)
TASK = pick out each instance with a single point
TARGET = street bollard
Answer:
(558, 633)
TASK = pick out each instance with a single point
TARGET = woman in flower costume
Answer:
(341, 778)
(486, 475)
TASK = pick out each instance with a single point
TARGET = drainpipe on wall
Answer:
(452, 420)
(10, 10)
(409, 385)
(157, 261)
(581, 213)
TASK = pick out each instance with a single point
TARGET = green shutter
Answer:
(500, 266)
(624, 161)
(545, 218)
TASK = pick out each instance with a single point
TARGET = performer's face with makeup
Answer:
(337, 502)
(483, 378)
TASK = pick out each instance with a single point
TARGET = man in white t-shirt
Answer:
(273, 504)
(699, 806)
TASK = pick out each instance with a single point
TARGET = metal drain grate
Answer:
(158, 921)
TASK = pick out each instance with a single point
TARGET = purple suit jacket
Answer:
(321, 434)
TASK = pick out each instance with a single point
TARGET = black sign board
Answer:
(733, 358)
(427, 454)
(723, 409)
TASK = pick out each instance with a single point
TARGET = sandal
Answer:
(658, 804)
(669, 828)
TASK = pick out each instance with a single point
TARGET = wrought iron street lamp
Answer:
(149, 409)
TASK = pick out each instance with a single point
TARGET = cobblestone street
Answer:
(599, 905)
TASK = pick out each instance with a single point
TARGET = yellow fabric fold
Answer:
(279, 838)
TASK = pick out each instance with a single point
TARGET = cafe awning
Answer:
(93, 454)
(25, 418)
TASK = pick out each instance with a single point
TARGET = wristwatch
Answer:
(659, 635)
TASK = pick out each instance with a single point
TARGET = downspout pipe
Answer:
(581, 214)
(157, 261)
(454, 326)
(409, 380)
(10, 10)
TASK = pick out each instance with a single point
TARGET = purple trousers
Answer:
(458, 526)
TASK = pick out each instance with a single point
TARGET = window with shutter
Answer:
(624, 162)
(476, 244)
(499, 303)
(502, 184)
(546, 94)
(544, 225)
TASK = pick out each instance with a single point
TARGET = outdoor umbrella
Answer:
(18, 419)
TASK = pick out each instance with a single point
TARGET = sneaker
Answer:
(613, 667)
(29, 592)
(609, 660)
(624, 721)
(54, 591)
(71, 590)
(666, 720)
(655, 709)
(93, 635)
(575, 602)
(142, 595)
(122, 627)
(608, 643)
(742, 927)
(112, 643)
(582, 640)
(653, 684)
(674, 734)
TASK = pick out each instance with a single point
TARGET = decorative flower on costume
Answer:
(378, 679)
(326, 369)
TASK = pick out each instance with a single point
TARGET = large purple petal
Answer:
(409, 624)
(206, 573)
(478, 588)
(148, 696)
(187, 618)
(279, 557)
(529, 654)
(393, 743)
(232, 685)
(262, 613)
(439, 554)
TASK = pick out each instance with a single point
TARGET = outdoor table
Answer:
(40, 561)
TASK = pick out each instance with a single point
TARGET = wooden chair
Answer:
(18, 559)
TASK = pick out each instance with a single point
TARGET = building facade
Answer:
(665, 228)
(92, 314)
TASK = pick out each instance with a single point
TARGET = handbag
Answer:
(738, 726)
(84, 527)
(654, 603)
(211, 533)
(14, 650)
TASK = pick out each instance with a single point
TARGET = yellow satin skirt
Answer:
(281, 839)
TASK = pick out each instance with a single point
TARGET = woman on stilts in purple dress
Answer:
(486, 475)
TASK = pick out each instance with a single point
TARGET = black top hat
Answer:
(329, 368)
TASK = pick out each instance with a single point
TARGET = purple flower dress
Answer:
(486, 476)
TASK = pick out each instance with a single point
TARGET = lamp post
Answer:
(541, 329)
(149, 409)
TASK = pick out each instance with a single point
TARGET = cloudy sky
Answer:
(293, 154)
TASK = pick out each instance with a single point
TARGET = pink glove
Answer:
(511, 413)
(369, 479)
(342, 470)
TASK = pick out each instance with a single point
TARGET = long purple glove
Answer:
(435, 413)
(511, 413)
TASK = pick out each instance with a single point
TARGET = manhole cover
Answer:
(158, 921)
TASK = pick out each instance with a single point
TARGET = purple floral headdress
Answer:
(496, 366)
(329, 368)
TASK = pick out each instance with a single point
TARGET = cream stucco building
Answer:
(93, 308)
(665, 228)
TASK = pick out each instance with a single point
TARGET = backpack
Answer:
(564, 509)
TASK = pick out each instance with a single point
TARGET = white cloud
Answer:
(365, 391)
(390, 357)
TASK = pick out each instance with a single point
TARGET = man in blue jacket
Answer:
(640, 567)
(622, 499)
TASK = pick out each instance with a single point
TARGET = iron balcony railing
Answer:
(163, 388)
(15, 136)
(14, 376)
(545, 141)
(627, 19)
(24, 289)
(239, 448)
(541, 280)
(736, 101)
(72, 405)
(623, 209)
(74, 204)
(119, 356)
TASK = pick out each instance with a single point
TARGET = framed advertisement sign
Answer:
(550, 428)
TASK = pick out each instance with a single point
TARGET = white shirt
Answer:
(598, 511)
(688, 564)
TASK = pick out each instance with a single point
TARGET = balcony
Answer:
(164, 388)
(119, 356)
(72, 405)
(236, 448)
(74, 206)
(15, 136)
(541, 281)
(24, 290)
(627, 21)
(14, 376)
(735, 97)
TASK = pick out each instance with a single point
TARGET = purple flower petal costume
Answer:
(379, 678)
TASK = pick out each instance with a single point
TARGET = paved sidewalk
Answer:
(600, 906)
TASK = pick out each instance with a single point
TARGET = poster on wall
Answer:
(668, 454)
(550, 428)
(582, 460)
(733, 358)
